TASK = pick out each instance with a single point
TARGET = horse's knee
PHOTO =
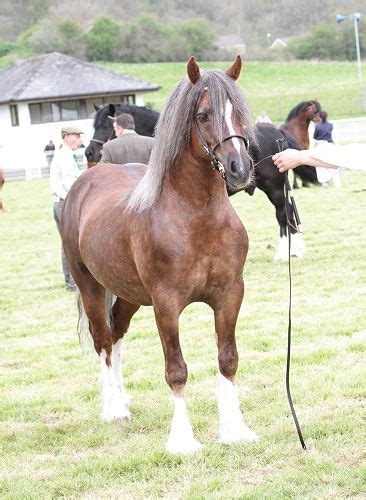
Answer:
(176, 374)
(228, 361)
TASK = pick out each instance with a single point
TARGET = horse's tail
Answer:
(83, 326)
(305, 172)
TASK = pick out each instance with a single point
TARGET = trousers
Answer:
(57, 211)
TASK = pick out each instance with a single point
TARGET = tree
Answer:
(102, 40)
(68, 38)
(197, 38)
(146, 40)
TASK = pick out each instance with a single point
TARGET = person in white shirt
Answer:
(64, 171)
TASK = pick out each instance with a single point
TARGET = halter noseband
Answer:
(98, 141)
(211, 153)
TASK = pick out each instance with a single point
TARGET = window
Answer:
(46, 112)
(14, 115)
(35, 111)
(101, 101)
(69, 110)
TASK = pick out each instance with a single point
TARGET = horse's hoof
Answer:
(242, 435)
(126, 419)
(119, 415)
(185, 447)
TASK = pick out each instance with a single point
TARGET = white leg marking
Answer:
(232, 427)
(181, 438)
(282, 250)
(114, 397)
(297, 245)
(229, 123)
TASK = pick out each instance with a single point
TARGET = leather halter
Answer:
(211, 153)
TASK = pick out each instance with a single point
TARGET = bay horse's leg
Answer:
(114, 397)
(121, 315)
(231, 424)
(181, 438)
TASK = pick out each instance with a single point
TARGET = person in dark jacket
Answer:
(323, 129)
(128, 147)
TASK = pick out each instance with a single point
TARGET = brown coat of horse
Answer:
(168, 243)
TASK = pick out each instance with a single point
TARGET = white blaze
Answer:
(229, 123)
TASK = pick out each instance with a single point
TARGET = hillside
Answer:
(256, 22)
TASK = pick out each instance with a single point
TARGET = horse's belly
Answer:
(120, 278)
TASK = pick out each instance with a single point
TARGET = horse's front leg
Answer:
(181, 438)
(232, 428)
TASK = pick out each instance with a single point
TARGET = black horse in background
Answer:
(145, 121)
(267, 177)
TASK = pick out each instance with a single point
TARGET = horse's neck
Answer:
(298, 127)
(195, 183)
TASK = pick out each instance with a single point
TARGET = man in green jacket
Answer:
(128, 147)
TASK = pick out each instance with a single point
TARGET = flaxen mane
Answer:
(173, 129)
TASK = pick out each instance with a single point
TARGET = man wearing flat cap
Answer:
(64, 171)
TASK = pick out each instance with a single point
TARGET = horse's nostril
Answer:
(234, 168)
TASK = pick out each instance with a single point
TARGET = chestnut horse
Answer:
(267, 176)
(167, 236)
(297, 124)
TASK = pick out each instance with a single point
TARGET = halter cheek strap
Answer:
(211, 153)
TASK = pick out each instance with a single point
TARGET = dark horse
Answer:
(145, 121)
(168, 236)
(271, 181)
(267, 176)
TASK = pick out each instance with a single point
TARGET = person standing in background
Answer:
(323, 135)
(49, 151)
(129, 146)
(64, 171)
(323, 128)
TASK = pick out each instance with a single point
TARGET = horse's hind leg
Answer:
(114, 397)
(231, 424)
(181, 438)
(120, 318)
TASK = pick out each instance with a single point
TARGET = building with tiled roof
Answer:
(38, 96)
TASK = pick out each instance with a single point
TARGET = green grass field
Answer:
(275, 87)
(53, 443)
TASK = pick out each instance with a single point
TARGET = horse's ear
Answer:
(235, 69)
(193, 70)
(111, 109)
(96, 107)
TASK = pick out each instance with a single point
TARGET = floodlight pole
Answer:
(355, 24)
(355, 17)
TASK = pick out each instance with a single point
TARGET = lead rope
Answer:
(288, 196)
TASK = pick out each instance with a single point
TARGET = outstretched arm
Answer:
(292, 158)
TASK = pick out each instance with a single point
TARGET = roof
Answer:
(58, 76)
(227, 41)
(280, 42)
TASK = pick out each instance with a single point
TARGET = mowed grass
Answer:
(53, 443)
(274, 87)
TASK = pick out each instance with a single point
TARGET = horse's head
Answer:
(219, 125)
(314, 110)
(104, 131)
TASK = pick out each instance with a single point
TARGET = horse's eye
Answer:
(202, 117)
